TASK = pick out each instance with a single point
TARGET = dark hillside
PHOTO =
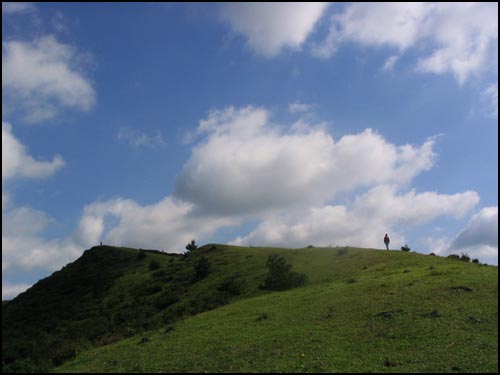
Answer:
(107, 294)
(63, 308)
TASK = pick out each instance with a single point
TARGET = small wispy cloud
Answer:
(138, 139)
(390, 62)
(298, 107)
(12, 8)
(490, 100)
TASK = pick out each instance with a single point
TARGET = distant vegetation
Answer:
(405, 248)
(122, 310)
(463, 257)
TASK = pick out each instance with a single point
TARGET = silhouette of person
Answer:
(387, 241)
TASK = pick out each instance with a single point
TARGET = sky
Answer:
(148, 125)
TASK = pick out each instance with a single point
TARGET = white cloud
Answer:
(41, 77)
(17, 163)
(28, 252)
(465, 35)
(411, 208)
(248, 165)
(23, 245)
(270, 27)
(381, 210)
(457, 38)
(325, 226)
(138, 139)
(482, 229)
(22, 221)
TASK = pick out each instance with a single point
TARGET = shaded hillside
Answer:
(108, 294)
(401, 311)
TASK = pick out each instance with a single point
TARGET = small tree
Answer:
(191, 246)
(405, 248)
(201, 268)
(281, 276)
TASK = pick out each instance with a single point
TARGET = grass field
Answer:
(362, 310)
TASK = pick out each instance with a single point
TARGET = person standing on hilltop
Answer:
(387, 241)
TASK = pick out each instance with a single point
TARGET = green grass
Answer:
(362, 311)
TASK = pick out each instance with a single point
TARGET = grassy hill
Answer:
(362, 310)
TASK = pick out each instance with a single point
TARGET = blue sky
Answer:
(289, 124)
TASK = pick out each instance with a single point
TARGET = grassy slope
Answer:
(362, 311)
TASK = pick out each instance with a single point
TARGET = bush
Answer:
(281, 276)
(342, 251)
(141, 255)
(232, 284)
(166, 299)
(154, 265)
(63, 355)
(453, 256)
(465, 257)
(405, 248)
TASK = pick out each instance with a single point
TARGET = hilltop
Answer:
(362, 310)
